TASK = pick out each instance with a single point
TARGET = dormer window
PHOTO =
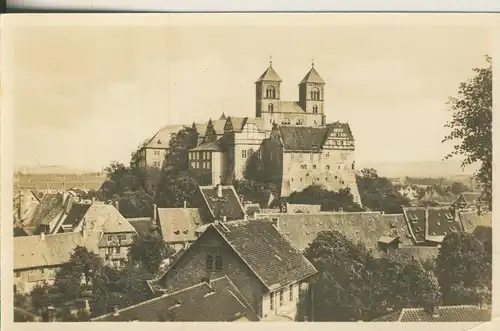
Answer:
(413, 217)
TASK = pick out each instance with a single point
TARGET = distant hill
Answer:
(433, 169)
(54, 169)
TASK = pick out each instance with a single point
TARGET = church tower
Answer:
(311, 94)
(267, 95)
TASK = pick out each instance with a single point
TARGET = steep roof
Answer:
(106, 218)
(444, 314)
(214, 146)
(471, 197)
(141, 224)
(51, 250)
(228, 205)
(416, 219)
(219, 301)
(312, 77)
(365, 227)
(50, 207)
(269, 75)
(268, 253)
(302, 138)
(471, 220)
(162, 138)
(179, 224)
(76, 213)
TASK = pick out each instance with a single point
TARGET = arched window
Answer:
(315, 109)
(315, 95)
(271, 107)
(270, 92)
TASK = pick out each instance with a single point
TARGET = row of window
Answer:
(200, 155)
(327, 167)
(110, 250)
(201, 165)
(247, 153)
(157, 152)
(317, 178)
(281, 294)
(120, 237)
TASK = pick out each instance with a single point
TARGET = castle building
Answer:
(289, 140)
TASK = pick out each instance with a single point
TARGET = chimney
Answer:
(115, 311)
(42, 235)
(219, 190)
(51, 314)
(224, 218)
(117, 204)
(93, 199)
(155, 213)
(185, 204)
(479, 211)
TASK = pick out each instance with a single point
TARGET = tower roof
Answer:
(312, 77)
(269, 75)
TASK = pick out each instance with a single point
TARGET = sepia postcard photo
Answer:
(248, 168)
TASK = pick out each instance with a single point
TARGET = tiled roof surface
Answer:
(365, 227)
(471, 220)
(229, 204)
(162, 138)
(220, 301)
(286, 106)
(214, 146)
(50, 206)
(302, 138)
(312, 77)
(33, 251)
(440, 222)
(302, 208)
(269, 75)
(179, 224)
(444, 314)
(267, 252)
(416, 220)
(105, 217)
(338, 125)
(76, 213)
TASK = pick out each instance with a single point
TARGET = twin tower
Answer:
(308, 111)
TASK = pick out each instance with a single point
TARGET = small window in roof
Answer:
(413, 217)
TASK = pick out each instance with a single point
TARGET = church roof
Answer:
(269, 75)
(312, 77)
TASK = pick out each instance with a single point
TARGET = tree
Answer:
(135, 203)
(458, 187)
(353, 285)
(463, 268)
(378, 193)
(471, 125)
(179, 146)
(329, 200)
(148, 250)
(128, 284)
(255, 191)
(175, 188)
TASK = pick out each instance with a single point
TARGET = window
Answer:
(122, 237)
(244, 153)
(18, 274)
(281, 297)
(327, 167)
(270, 107)
(110, 250)
(192, 164)
(327, 154)
(42, 271)
(303, 166)
(118, 249)
(315, 109)
(218, 262)
(270, 92)
(291, 292)
(210, 262)
(271, 301)
(190, 156)
(110, 238)
(314, 166)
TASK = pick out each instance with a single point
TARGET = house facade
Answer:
(268, 271)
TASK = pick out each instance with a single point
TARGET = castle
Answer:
(291, 140)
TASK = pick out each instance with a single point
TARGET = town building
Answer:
(470, 201)
(178, 226)
(216, 300)
(297, 157)
(269, 272)
(38, 258)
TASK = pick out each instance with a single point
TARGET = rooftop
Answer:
(219, 301)
(179, 224)
(442, 314)
(228, 204)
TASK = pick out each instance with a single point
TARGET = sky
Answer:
(85, 95)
